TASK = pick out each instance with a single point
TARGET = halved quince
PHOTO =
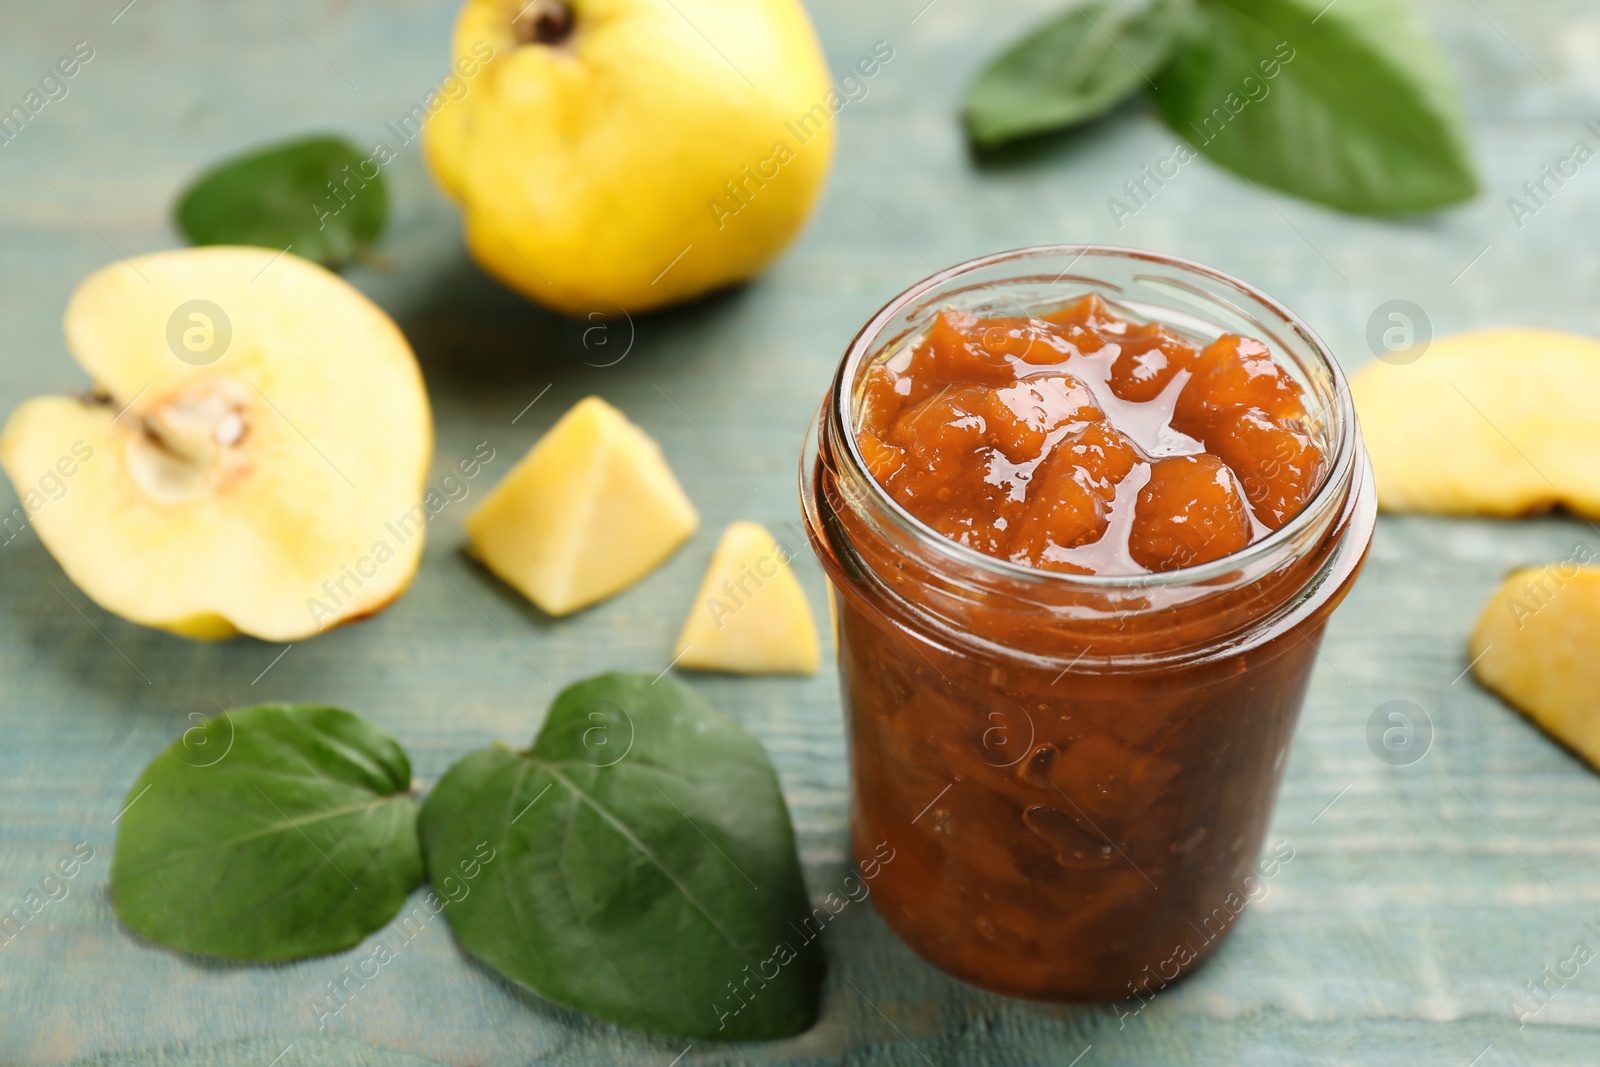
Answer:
(253, 454)
(750, 615)
(1493, 422)
(591, 509)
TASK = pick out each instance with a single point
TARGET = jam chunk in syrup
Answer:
(1084, 442)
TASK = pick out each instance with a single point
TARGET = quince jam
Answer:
(1065, 745)
(1083, 442)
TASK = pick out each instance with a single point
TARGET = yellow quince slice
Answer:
(1537, 645)
(591, 509)
(750, 615)
(1495, 422)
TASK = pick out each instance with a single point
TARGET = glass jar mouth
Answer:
(1339, 411)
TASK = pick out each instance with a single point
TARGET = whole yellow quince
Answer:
(631, 152)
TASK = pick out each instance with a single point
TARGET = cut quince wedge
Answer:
(750, 615)
(591, 509)
(1536, 646)
(1495, 422)
(252, 458)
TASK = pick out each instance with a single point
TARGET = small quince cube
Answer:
(591, 509)
(750, 615)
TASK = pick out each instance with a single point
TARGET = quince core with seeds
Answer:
(251, 458)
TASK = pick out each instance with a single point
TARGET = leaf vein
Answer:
(628, 835)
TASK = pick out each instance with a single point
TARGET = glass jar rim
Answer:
(1330, 490)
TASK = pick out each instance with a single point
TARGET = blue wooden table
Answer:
(1420, 899)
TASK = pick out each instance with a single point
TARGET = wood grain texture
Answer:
(1420, 898)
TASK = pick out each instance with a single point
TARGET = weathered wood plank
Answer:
(1416, 905)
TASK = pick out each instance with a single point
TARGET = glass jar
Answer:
(1074, 773)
